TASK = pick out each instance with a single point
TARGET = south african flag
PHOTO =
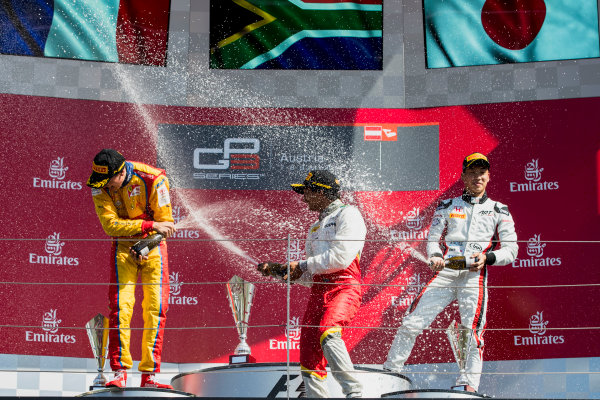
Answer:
(296, 34)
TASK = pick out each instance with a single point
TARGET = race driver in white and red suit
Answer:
(331, 268)
(470, 225)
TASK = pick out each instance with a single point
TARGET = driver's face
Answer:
(116, 181)
(476, 180)
(316, 201)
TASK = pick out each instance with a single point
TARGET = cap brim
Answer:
(298, 188)
(97, 180)
(479, 162)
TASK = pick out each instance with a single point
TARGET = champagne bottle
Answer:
(275, 270)
(457, 263)
(144, 246)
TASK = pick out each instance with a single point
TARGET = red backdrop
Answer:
(56, 265)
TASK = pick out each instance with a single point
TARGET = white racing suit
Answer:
(333, 247)
(460, 226)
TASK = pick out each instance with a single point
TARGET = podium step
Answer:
(433, 394)
(135, 392)
(269, 380)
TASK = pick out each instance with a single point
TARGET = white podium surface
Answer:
(433, 394)
(135, 392)
(270, 380)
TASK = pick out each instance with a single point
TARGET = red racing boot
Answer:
(120, 379)
(149, 381)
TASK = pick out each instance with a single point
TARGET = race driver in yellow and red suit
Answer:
(132, 200)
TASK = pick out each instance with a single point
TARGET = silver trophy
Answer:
(460, 338)
(240, 295)
(97, 330)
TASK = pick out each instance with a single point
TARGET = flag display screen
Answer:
(121, 31)
(482, 32)
(233, 157)
(296, 34)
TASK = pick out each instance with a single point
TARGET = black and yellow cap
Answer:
(318, 180)
(106, 164)
(475, 160)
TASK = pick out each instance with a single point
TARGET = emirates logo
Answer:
(537, 325)
(414, 221)
(535, 254)
(533, 176)
(49, 334)
(292, 331)
(177, 214)
(50, 322)
(58, 169)
(174, 284)
(54, 245)
(535, 247)
(533, 172)
(57, 173)
(175, 295)
(414, 285)
(296, 251)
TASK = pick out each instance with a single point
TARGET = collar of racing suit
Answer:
(334, 205)
(474, 200)
(128, 173)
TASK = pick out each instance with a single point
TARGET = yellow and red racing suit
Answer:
(127, 214)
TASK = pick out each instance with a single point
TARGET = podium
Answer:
(433, 394)
(268, 380)
(135, 392)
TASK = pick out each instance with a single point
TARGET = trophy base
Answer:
(241, 359)
(463, 387)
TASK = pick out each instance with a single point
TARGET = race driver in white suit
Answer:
(471, 225)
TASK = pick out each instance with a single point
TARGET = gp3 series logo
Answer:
(237, 153)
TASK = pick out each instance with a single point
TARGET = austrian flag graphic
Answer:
(296, 34)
